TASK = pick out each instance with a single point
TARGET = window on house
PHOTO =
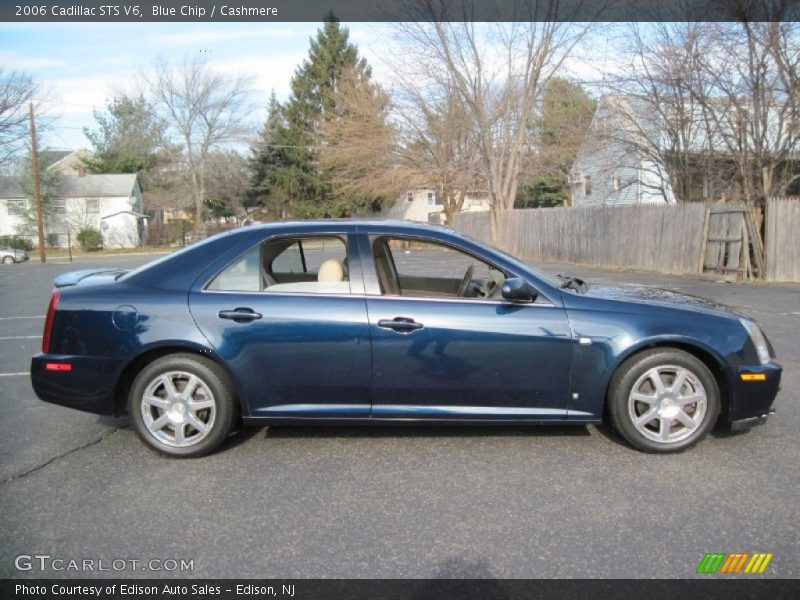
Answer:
(615, 182)
(59, 206)
(587, 185)
(92, 206)
(430, 199)
(16, 207)
(410, 196)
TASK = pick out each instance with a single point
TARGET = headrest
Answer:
(331, 271)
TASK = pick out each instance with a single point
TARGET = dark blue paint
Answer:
(327, 357)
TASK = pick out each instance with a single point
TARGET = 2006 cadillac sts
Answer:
(385, 322)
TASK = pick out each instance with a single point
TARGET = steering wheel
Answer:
(462, 289)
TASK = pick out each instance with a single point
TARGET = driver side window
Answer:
(408, 267)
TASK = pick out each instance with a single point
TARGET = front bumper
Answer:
(752, 399)
(745, 424)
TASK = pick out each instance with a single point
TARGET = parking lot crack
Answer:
(90, 443)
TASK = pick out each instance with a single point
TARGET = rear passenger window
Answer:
(241, 276)
(289, 265)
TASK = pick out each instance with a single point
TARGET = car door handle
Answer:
(240, 315)
(401, 324)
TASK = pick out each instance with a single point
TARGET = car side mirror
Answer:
(518, 290)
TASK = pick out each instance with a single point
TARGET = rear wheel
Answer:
(8, 260)
(663, 400)
(182, 405)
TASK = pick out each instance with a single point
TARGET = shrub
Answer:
(90, 239)
(19, 243)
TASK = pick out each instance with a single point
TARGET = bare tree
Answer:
(439, 144)
(17, 89)
(754, 66)
(204, 110)
(499, 71)
(659, 121)
(358, 145)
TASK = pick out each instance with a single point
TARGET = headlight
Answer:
(758, 339)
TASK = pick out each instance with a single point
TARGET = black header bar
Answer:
(396, 10)
(394, 589)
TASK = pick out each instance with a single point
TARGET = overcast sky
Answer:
(79, 64)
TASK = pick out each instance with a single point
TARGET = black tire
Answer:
(8, 260)
(222, 415)
(638, 371)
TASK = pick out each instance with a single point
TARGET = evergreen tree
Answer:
(129, 138)
(290, 169)
(566, 113)
(268, 163)
(49, 184)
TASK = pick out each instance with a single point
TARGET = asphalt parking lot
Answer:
(394, 502)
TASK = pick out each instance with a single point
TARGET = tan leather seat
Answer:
(331, 271)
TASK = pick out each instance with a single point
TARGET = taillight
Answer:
(48, 322)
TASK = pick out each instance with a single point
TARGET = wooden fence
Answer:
(650, 237)
(782, 239)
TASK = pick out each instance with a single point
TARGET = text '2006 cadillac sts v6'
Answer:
(390, 322)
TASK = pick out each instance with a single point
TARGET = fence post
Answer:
(69, 244)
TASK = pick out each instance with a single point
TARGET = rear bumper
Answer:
(89, 385)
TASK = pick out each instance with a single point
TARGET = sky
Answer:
(80, 64)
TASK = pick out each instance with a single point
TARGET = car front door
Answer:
(291, 323)
(440, 355)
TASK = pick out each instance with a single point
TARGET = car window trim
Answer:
(349, 236)
(457, 247)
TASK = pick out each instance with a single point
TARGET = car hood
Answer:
(652, 296)
(88, 276)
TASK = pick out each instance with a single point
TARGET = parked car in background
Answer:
(390, 322)
(11, 255)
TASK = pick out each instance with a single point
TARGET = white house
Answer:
(109, 203)
(424, 204)
(610, 167)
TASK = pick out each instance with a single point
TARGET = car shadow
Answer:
(239, 436)
(423, 430)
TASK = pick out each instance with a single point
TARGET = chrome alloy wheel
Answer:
(667, 404)
(178, 409)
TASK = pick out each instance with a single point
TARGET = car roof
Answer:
(350, 224)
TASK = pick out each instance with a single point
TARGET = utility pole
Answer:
(37, 187)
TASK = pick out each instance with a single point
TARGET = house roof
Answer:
(138, 215)
(10, 187)
(51, 157)
(88, 186)
(98, 185)
(637, 117)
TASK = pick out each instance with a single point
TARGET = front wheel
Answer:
(663, 400)
(182, 405)
(9, 260)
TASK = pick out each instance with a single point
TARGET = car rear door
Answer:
(440, 356)
(295, 348)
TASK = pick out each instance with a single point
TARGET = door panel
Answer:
(306, 355)
(469, 359)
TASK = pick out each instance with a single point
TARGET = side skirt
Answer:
(409, 421)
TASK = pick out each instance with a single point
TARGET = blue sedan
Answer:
(390, 322)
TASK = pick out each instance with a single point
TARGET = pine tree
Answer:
(129, 138)
(267, 160)
(290, 169)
